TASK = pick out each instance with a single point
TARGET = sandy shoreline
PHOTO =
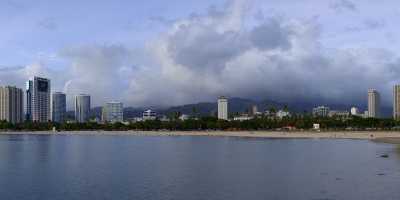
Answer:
(389, 137)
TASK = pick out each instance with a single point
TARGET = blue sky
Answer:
(179, 51)
(43, 27)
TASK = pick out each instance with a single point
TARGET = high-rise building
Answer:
(82, 108)
(373, 103)
(396, 102)
(321, 111)
(223, 108)
(58, 107)
(28, 100)
(38, 100)
(253, 110)
(11, 104)
(113, 112)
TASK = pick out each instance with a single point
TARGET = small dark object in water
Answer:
(339, 179)
(384, 156)
(381, 174)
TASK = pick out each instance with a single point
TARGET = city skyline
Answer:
(41, 108)
(274, 49)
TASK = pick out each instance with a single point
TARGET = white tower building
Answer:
(223, 108)
(373, 103)
(82, 108)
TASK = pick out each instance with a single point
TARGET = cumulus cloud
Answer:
(368, 25)
(343, 5)
(205, 56)
(47, 24)
(96, 70)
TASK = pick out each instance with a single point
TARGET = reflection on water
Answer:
(124, 167)
(397, 151)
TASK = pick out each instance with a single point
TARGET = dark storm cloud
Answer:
(270, 35)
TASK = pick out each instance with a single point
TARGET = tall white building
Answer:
(38, 99)
(11, 104)
(58, 107)
(223, 108)
(373, 103)
(113, 112)
(396, 102)
(253, 110)
(82, 108)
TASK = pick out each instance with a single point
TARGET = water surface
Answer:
(195, 168)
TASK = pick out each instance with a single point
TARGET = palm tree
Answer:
(194, 111)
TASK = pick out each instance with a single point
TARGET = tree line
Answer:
(212, 123)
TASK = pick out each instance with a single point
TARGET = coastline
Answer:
(378, 136)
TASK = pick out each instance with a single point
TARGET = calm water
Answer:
(191, 168)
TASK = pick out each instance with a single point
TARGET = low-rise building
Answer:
(354, 111)
(113, 112)
(282, 114)
(321, 111)
(149, 115)
(243, 117)
(184, 117)
(339, 113)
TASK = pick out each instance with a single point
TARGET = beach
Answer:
(379, 136)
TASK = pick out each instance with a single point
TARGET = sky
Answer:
(164, 53)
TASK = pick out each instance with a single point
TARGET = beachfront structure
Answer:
(243, 117)
(11, 104)
(396, 102)
(38, 99)
(373, 103)
(321, 111)
(58, 107)
(113, 112)
(184, 117)
(149, 115)
(339, 113)
(282, 114)
(223, 108)
(82, 108)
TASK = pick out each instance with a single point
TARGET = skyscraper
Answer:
(58, 107)
(223, 108)
(28, 96)
(11, 104)
(38, 100)
(373, 103)
(82, 108)
(113, 112)
(253, 110)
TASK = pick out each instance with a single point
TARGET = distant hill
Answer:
(235, 105)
